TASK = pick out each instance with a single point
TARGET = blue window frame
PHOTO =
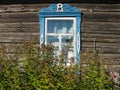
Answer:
(60, 23)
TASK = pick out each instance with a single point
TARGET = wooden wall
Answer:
(100, 22)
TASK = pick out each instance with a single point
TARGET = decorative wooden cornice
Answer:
(66, 8)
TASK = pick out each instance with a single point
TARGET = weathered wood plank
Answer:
(98, 7)
(19, 17)
(16, 39)
(111, 59)
(82, 7)
(102, 40)
(100, 25)
(110, 50)
(99, 45)
(102, 36)
(108, 55)
(17, 34)
(101, 28)
(101, 17)
(34, 17)
(112, 56)
(19, 27)
(100, 31)
(22, 8)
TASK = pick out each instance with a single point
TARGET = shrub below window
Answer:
(36, 68)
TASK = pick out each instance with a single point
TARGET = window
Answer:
(60, 25)
(61, 33)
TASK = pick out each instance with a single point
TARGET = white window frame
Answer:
(59, 35)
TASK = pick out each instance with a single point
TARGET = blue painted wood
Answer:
(42, 29)
(68, 11)
(52, 11)
(78, 39)
(66, 8)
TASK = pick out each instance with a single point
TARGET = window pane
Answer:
(53, 40)
(68, 46)
(67, 41)
(60, 26)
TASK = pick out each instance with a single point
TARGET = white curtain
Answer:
(60, 26)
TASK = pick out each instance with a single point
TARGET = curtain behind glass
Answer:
(60, 26)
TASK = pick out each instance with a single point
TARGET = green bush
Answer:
(93, 75)
(37, 68)
(9, 73)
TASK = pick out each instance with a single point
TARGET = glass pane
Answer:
(67, 46)
(67, 41)
(60, 26)
(54, 40)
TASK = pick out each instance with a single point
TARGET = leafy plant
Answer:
(37, 68)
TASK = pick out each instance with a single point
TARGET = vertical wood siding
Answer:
(99, 21)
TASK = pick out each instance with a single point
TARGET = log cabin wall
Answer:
(100, 22)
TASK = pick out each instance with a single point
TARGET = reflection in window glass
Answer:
(67, 46)
(60, 26)
(67, 40)
(54, 40)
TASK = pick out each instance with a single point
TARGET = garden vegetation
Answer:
(31, 67)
